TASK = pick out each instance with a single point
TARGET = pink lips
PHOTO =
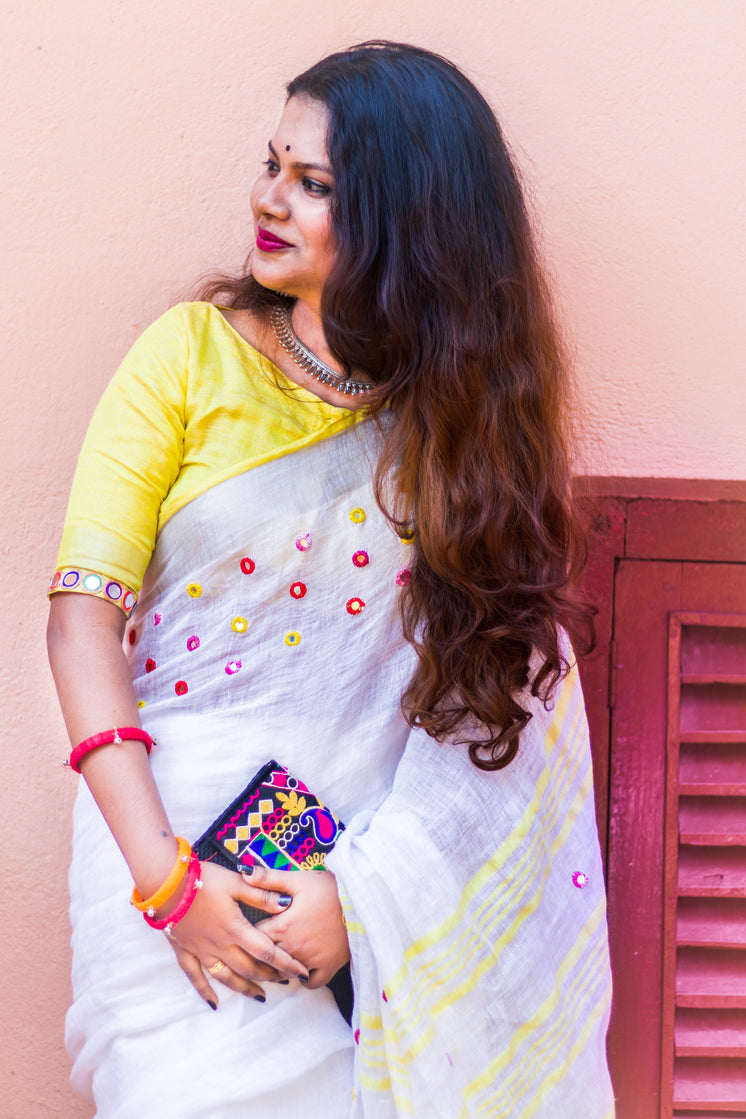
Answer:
(268, 243)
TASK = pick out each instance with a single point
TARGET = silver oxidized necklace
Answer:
(288, 339)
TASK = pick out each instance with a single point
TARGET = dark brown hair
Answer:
(437, 296)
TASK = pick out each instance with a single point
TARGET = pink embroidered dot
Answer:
(303, 543)
(357, 1037)
(247, 565)
(383, 996)
(233, 667)
(156, 619)
(149, 664)
(361, 559)
(402, 577)
(355, 605)
(181, 687)
(450, 1062)
(579, 879)
(192, 643)
(298, 590)
(132, 637)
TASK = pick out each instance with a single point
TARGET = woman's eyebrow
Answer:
(297, 165)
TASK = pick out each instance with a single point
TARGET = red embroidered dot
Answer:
(402, 577)
(181, 687)
(247, 565)
(149, 664)
(355, 605)
(132, 636)
(192, 643)
(298, 590)
(361, 559)
(357, 1037)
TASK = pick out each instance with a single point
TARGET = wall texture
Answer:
(131, 133)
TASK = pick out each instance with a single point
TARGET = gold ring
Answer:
(215, 968)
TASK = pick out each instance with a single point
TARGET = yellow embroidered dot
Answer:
(141, 703)
(194, 590)
(357, 516)
(292, 638)
(239, 624)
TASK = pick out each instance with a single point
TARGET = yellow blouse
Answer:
(191, 405)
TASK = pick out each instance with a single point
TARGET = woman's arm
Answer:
(93, 681)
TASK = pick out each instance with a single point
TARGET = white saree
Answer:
(268, 627)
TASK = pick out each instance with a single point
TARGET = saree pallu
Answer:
(268, 626)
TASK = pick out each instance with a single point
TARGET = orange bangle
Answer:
(170, 886)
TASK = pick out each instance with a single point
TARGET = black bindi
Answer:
(287, 147)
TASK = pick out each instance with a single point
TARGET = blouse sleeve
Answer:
(130, 459)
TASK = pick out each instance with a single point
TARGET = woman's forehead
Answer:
(302, 130)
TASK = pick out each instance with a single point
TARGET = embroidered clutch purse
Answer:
(277, 822)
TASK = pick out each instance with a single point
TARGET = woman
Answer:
(360, 561)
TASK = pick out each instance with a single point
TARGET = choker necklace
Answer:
(286, 336)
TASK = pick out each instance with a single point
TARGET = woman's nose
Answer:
(271, 198)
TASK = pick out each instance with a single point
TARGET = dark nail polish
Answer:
(283, 982)
(260, 998)
(211, 1004)
(247, 871)
(284, 900)
(304, 978)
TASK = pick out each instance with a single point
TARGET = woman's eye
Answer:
(313, 186)
(271, 166)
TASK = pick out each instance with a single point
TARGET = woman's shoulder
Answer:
(200, 316)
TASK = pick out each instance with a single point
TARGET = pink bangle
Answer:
(103, 739)
(192, 885)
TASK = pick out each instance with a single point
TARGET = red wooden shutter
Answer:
(703, 1067)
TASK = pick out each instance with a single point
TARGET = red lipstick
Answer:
(269, 242)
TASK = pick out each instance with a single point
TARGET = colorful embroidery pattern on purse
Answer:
(275, 821)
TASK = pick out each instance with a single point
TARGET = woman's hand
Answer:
(312, 927)
(215, 932)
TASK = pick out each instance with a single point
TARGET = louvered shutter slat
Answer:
(704, 989)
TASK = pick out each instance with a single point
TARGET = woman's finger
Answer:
(278, 882)
(226, 975)
(262, 951)
(192, 968)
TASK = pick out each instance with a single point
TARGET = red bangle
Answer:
(193, 884)
(104, 738)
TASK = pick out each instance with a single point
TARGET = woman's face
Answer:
(290, 202)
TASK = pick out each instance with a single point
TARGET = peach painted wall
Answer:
(132, 131)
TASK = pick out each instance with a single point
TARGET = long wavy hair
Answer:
(437, 296)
